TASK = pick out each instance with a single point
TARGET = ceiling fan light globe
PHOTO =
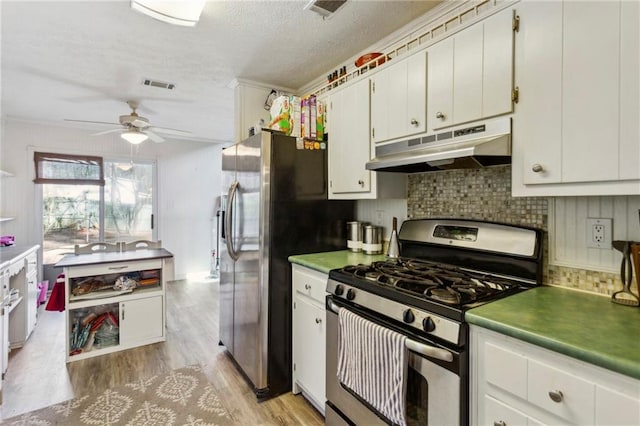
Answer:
(134, 137)
(185, 13)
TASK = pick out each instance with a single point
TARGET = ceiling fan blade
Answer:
(153, 136)
(170, 131)
(107, 132)
(92, 122)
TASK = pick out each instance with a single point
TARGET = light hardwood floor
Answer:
(38, 375)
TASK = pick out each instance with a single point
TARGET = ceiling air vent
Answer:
(160, 84)
(326, 8)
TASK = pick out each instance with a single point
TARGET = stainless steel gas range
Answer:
(417, 302)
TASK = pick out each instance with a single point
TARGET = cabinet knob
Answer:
(499, 423)
(440, 115)
(307, 287)
(361, 182)
(556, 396)
(414, 122)
(318, 320)
(537, 168)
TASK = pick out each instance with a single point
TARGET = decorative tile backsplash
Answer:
(485, 194)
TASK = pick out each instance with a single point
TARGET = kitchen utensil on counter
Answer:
(394, 249)
(372, 239)
(354, 236)
(625, 296)
(635, 256)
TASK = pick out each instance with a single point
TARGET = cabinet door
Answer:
(380, 93)
(630, 90)
(537, 123)
(349, 148)
(309, 348)
(141, 319)
(440, 84)
(416, 115)
(32, 301)
(497, 64)
(467, 74)
(398, 99)
(590, 91)
(614, 408)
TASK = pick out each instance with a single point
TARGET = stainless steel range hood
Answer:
(476, 145)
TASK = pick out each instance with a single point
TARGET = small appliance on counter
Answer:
(630, 255)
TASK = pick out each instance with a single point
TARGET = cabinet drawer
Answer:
(506, 369)
(310, 283)
(114, 268)
(562, 394)
(499, 414)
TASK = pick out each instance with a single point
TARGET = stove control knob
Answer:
(428, 324)
(338, 290)
(351, 294)
(408, 317)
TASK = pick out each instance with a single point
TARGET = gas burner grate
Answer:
(431, 280)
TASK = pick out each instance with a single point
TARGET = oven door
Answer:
(434, 382)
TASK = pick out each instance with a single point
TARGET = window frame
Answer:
(40, 157)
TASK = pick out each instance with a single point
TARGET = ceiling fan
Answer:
(136, 129)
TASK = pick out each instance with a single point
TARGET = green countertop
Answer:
(324, 262)
(581, 325)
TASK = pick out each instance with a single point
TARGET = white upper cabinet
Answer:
(348, 143)
(576, 129)
(470, 74)
(350, 149)
(398, 99)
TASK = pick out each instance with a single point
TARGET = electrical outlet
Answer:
(599, 233)
(379, 218)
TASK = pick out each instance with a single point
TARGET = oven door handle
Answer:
(412, 345)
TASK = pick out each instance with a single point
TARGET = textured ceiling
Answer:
(83, 59)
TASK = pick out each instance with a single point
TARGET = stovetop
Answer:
(443, 289)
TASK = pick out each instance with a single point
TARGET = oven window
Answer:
(417, 398)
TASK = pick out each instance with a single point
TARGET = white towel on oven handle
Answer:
(372, 362)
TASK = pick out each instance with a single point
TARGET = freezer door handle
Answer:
(228, 218)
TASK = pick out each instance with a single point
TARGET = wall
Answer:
(187, 174)
(486, 194)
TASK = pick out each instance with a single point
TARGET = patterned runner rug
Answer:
(179, 397)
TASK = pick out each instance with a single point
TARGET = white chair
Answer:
(99, 247)
(141, 244)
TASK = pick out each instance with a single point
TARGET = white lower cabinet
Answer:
(309, 334)
(517, 383)
(141, 320)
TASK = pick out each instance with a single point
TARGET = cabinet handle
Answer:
(537, 168)
(414, 122)
(307, 287)
(499, 423)
(115, 268)
(122, 310)
(440, 115)
(318, 320)
(556, 396)
(361, 182)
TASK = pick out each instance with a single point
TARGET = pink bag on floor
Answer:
(42, 295)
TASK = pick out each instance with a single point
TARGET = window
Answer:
(93, 200)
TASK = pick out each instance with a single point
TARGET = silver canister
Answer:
(372, 239)
(354, 236)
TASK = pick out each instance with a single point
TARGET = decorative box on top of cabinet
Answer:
(350, 148)
(576, 129)
(517, 383)
(309, 334)
(105, 320)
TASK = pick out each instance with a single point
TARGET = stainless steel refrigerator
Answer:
(275, 205)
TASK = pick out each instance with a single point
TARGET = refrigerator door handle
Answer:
(233, 189)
